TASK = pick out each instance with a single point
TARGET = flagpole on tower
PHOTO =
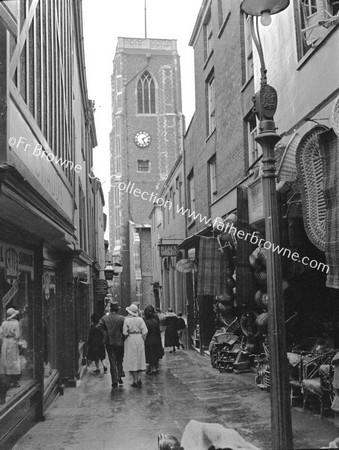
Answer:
(145, 21)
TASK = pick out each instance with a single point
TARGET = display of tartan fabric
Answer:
(212, 268)
(329, 145)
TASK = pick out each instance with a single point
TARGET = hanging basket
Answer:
(254, 259)
(262, 322)
(261, 276)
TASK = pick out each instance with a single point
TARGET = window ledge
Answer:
(223, 25)
(207, 59)
(210, 135)
(247, 82)
(318, 45)
(146, 114)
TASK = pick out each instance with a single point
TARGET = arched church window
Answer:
(146, 94)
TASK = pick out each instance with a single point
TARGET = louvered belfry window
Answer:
(146, 94)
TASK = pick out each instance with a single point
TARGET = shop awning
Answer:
(190, 241)
(286, 168)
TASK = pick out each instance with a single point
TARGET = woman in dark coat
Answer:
(96, 348)
(171, 333)
(153, 346)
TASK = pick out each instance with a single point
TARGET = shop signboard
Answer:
(166, 250)
(101, 287)
(255, 201)
(10, 294)
(14, 260)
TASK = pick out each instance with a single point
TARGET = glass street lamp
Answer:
(264, 8)
(117, 267)
(109, 271)
(265, 105)
(112, 271)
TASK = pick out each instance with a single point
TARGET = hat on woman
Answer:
(11, 313)
(133, 310)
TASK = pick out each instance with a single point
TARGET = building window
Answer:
(146, 94)
(173, 203)
(248, 48)
(253, 148)
(309, 7)
(178, 185)
(314, 19)
(82, 219)
(117, 146)
(208, 36)
(210, 105)
(220, 13)
(118, 165)
(143, 165)
(212, 176)
(191, 194)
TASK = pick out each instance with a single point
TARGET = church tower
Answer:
(145, 141)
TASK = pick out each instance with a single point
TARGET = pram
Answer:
(224, 347)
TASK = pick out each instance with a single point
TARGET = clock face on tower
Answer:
(142, 139)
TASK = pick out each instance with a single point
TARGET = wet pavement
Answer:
(93, 416)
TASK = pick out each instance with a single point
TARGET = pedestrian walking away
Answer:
(171, 332)
(95, 343)
(135, 331)
(162, 317)
(112, 324)
(153, 346)
(181, 325)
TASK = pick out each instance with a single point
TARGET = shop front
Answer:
(308, 245)
(21, 376)
(36, 286)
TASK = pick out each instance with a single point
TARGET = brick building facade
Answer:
(146, 138)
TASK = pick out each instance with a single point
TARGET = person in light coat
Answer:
(135, 332)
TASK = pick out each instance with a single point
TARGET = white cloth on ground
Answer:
(199, 436)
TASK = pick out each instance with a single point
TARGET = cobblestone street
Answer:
(92, 417)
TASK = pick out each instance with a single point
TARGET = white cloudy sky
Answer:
(104, 21)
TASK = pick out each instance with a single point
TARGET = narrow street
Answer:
(93, 417)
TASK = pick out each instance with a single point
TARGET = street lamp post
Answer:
(265, 102)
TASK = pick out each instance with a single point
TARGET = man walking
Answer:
(112, 325)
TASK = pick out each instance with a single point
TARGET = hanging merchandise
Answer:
(254, 259)
(211, 268)
(262, 322)
(261, 276)
(262, 255)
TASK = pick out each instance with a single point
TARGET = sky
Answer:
(106, 20)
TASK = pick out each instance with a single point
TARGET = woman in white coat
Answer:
(135, 332)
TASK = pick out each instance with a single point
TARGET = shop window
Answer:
(49, 321)
(146, 94)
(16, 330)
